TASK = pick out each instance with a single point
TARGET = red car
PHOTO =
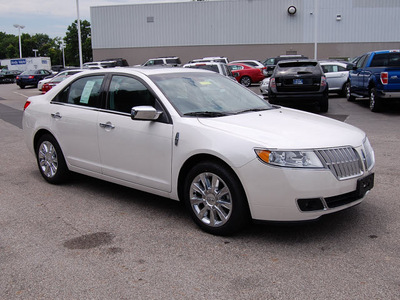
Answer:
(54, 81)
(246, 74)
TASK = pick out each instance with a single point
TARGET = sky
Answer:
(52, 17)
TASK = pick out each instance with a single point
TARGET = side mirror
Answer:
(145, 113)
(351, 66)
(236, 74)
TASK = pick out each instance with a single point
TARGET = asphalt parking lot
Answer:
(90, 239)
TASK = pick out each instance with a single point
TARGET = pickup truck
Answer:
(375, 75)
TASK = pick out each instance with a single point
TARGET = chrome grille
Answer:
(343, 162)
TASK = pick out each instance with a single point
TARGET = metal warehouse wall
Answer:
(265, 23)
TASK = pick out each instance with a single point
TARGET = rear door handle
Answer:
(56, 115)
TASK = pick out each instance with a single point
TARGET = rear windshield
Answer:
(386, 60)
(213, 68)
(298, 67)
(298, 64)
(30, 72)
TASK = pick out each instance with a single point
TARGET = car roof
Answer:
(207, 63)
(145, 70)
(330, 62)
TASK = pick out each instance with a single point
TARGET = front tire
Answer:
(215, 199)
(50, 160)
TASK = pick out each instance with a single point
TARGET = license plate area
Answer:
(298, 81)
(365, 184)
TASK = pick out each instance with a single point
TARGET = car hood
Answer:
(288, 129)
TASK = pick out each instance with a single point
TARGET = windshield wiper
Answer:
(210, 114)
(251, 110)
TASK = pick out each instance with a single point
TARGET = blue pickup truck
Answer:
(375, 75)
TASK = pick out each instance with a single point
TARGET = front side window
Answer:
(127, 92)
(84, 91)
(361, 61)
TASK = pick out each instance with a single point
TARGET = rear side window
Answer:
(84, 91)
(173, 61)
(386, 60)
(127, 92)
(235, 67)
(333, 68)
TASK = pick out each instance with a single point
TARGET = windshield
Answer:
(207, 94)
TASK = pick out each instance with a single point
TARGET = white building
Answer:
(244, 29)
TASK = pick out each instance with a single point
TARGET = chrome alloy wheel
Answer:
(210, 199)
(47, 157)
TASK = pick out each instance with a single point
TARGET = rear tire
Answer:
(324, 103)
(349, 96)
(375, 103)
(246, 81)
(50, 160)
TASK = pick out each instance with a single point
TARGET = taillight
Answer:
(17, 77)
(31, 77)
(323, 80)
(27, 104)
(384, 77)
(272, 83)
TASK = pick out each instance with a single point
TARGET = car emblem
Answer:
(394, 77)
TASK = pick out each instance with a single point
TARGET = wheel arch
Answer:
(198, 158)
(38, 135)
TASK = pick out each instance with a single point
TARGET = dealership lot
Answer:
(92, 239)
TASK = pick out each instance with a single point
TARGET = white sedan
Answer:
(199, 137)
(337, 76)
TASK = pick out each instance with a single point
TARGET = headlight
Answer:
(369, 156)
(290, 159)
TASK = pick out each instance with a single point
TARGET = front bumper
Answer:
(289, 194)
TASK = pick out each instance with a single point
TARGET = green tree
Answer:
(8, 46)
(72, 46)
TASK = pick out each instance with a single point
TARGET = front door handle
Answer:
(107, 125)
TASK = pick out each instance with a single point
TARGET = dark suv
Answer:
(270, 63)
(301, 81)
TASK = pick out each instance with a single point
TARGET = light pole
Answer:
(35, 50)
(79, 35)
(19, 37)
(62, 46)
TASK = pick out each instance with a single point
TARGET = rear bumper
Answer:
(389, 95)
